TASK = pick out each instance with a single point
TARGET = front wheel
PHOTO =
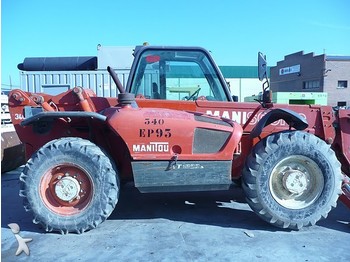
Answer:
(292, 179)
(70, 185)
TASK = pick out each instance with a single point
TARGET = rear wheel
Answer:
(292, 179)
(70, 185)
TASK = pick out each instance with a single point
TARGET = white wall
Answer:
(243, 87)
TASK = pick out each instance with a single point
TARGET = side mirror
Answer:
(262, 65)
(262, 74)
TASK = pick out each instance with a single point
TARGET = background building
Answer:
(243, 80)
(299, 78)
(301, 72)
(336, 80)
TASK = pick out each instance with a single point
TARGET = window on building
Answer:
(341, 104)
(313, 84)
(342, 84)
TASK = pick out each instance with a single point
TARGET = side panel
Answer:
(162, 134)
(171, 176)
(319, 118)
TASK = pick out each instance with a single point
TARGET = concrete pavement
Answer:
(209, 226)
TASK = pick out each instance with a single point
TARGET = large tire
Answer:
(69, 185)
(292, 179)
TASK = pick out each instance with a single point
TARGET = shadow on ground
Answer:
(218, 208)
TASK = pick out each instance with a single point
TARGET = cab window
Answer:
(176, 75)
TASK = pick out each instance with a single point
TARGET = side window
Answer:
(146, 80)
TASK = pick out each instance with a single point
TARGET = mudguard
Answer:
(292, 119)
(44, 116)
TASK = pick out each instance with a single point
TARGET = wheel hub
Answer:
(67, 189)
(295, 181)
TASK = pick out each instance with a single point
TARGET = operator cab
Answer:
(176, 74)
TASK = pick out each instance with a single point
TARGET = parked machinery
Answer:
(292, 160)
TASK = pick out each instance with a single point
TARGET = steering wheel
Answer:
(194, 95)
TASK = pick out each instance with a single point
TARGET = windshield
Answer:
(177, 75)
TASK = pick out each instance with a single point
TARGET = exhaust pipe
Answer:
(116, 79)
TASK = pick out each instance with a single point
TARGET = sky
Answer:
(234, 31)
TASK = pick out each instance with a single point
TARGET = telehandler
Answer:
(292, 161)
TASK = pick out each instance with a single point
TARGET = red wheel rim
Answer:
(66, 189)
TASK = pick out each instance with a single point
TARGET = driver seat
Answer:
(155, 93)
